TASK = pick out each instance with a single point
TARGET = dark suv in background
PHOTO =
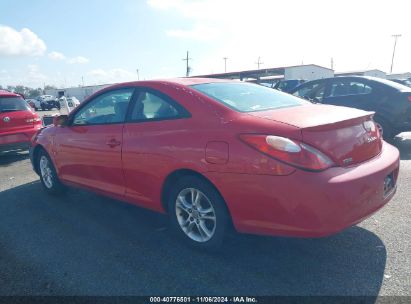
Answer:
(390, 101)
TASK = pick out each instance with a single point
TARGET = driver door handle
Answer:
(113, 143)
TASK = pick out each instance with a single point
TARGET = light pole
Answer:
(225, 64)
(393, 52)
(138, 74)
(258, 63)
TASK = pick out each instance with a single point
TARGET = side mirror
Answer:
(60, 121)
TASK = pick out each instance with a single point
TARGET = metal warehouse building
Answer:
(80, 93)
(306, 72)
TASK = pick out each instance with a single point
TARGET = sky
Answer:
(69, 43)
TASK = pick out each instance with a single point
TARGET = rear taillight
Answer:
(409, 98)
(292, 152)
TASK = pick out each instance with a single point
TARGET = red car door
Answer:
(148, 136)
(88, 150)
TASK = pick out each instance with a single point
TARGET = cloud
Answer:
(111, 75)
(197, 33)
(164, 4)
(20, 43)
(290, 32)
(78, 60)
(56, 56)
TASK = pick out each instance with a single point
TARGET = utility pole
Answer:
(393, 52)
(138, 74)
(332, 63)
(187, 66)
(258, 63)
(225, 64)
(82, 80)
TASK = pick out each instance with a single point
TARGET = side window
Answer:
(312, 91)
(151, 106)
(107, 108)
(344, 88)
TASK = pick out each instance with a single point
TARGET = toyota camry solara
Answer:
(216, 154)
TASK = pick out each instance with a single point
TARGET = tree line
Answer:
(27, 91)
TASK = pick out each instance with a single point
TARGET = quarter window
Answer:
(151, 106)
(107, 108)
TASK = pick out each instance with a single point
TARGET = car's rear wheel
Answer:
(197, 213)
(385, 129)
(48, 175)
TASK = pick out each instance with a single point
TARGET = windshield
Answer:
(247, 97)
(11, 104)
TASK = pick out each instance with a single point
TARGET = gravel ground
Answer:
(84, 244)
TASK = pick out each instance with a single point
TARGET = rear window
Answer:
(247, 97)
(12, 104)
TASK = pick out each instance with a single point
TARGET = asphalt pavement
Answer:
(85, 244)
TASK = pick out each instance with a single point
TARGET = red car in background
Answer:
(18, 122)
(215, 153)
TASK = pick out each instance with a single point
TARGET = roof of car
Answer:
(181, 81)
(5, 93)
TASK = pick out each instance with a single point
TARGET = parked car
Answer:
(288, 85)
(405, 82)
(48, 102)
(390, 101)
(18, 122)
(34, 103)
(212, 153)
(67, 104)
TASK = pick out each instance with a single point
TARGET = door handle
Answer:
(113, 143)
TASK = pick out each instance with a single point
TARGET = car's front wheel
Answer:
(48, 175)
(198, 213)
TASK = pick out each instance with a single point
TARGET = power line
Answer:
(393, 52)
(258, 63)
(187, 66)
(225, 64)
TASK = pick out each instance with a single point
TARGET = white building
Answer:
(399, 76)
(80, 93)
(305, 72)
(373, 73)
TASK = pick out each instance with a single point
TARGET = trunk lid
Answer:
(345, 135)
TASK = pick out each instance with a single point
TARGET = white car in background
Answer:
(67, 104)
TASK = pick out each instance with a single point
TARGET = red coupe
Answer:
(215, 153)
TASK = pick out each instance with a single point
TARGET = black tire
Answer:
(52, 184)
(388, 132)
(43, 107)
(209, 196)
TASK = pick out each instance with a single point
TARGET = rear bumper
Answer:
(308, 204)
(21, 138)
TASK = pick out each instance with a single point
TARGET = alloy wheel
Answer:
(195, 215)
(46, 172)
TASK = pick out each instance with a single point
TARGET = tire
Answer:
(388, 132)
(202, 224)
(43, 107)
(48, 176)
